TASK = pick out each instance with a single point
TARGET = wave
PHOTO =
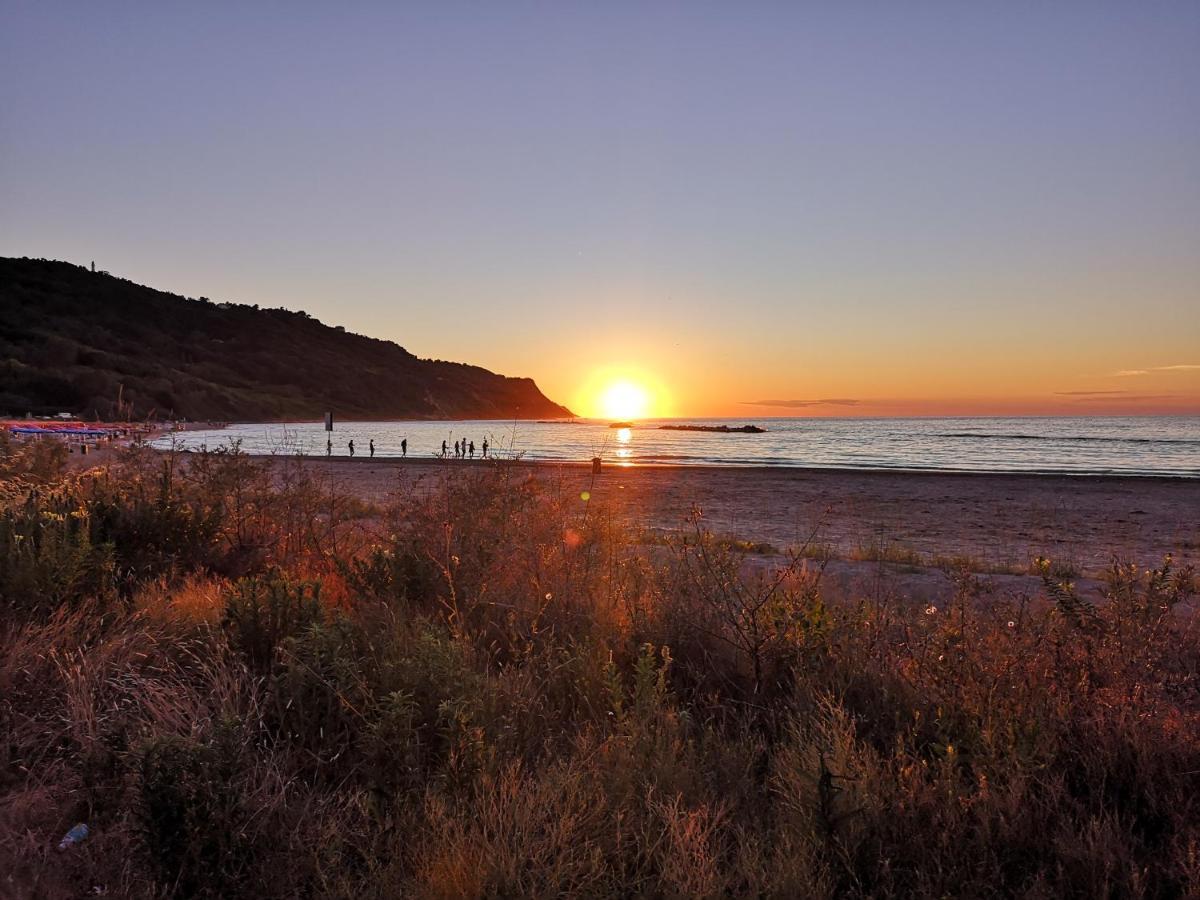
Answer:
(983, 435)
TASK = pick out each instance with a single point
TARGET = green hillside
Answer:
(103, 347)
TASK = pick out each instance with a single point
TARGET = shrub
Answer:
(192, 823)
(262, 611)
(48, 555)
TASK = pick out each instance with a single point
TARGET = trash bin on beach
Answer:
(595, 465)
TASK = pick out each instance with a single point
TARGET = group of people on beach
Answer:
(463, 449)
(370, 447)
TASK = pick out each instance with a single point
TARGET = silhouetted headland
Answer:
(102, 347)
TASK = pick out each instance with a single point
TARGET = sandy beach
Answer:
(998, 522)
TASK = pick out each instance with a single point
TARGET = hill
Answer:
(72, 340)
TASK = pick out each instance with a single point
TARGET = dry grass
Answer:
(248, 685)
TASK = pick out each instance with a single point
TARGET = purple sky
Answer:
(911, 203)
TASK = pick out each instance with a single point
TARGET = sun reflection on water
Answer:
(625, 453)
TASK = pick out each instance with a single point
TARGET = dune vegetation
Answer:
(249, 685)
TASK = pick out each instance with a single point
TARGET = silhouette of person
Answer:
(443, 449)
(329, 446)
(485, 446)
(404, 447)
(457, 450)
(352, 448)
(371, 444)
(472, 449)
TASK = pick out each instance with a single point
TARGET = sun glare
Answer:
(622, 392)
(624, 400)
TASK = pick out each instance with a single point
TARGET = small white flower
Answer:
(930, 610)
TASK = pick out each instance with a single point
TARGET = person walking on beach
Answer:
(352, 449)
(472, 449)
(371, 444)
(404, 447)
(443, 449)
(329, 446)
(485, 448)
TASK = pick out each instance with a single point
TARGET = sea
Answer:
(1092, 445)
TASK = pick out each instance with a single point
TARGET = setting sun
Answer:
(622, 391)
(624, 400)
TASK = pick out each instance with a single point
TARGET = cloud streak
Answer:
(1127, 398)
(802, 404)
(1087, 393)
(1180, 367)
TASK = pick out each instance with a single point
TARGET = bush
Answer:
(262, 611)
(192, 823)
(48, 555)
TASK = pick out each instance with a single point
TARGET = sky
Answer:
(742, 209)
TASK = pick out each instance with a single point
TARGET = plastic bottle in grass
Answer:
(75, 836)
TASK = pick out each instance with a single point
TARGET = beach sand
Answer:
(998, 522)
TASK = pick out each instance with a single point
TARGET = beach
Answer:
(912, 522)
(875, 527)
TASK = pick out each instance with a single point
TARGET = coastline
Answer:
(611, 466)
(1167, 447)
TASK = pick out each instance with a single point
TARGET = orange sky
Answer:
(976, 360)
(920, 209)
(1166, 391)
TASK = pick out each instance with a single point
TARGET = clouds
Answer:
(1114, 399)
(1111, 396)
(1180, 367)
(801, 404)
(1127, 398)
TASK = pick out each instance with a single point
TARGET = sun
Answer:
(622, 391)
(624, 400)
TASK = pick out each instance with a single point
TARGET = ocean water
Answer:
(1160, 445)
